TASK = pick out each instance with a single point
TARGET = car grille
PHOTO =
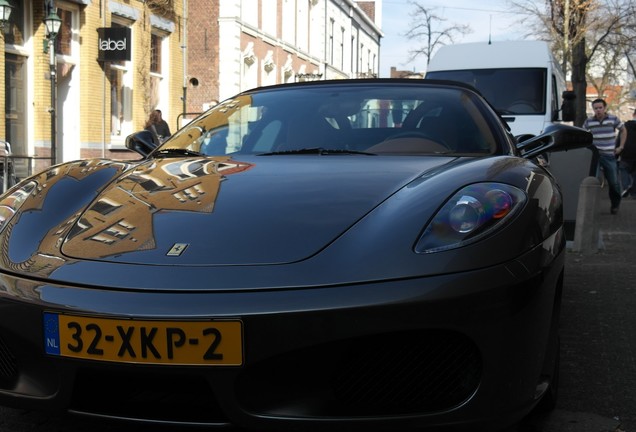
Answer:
(147, 396)
(393, 374)
(8, 366)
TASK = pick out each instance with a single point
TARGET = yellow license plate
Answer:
(213, 343)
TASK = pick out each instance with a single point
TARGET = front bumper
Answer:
(456, 349)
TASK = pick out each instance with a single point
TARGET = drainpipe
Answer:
(184, 52)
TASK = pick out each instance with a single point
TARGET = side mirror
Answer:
(557, 137)
(568, 107)
(142, 142)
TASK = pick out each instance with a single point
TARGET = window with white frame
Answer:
(360, 60)
(155, 53)
(332, 25)
(354, 63)
(158, 68)
(342, 55)
(373, 65)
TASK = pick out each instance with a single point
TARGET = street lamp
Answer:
(52, 23)
(5, 13)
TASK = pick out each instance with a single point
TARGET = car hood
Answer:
(225, 211)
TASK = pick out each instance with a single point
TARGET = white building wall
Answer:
(289, 21)
(317, 14)
(230, 52)
(269, 18)
(302, 25)
(352, 42)
(248, 11)
(252, 55)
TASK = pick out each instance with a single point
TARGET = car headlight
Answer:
(11, 203)
(470, 214)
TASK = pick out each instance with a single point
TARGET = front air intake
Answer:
(8, 366)
(402, 373)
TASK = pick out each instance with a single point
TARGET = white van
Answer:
(521, 79)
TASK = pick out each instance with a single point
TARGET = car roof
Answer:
(367, 81)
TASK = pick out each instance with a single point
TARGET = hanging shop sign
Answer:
(114, 44)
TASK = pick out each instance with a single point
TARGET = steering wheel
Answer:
(412, 141)
(417, 134)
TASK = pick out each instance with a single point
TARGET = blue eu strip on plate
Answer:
(51, 334)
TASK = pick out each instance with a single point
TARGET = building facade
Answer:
(112, 62)
(235, 45)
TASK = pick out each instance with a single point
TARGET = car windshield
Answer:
(369, 119)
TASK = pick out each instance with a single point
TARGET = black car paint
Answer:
(411, 185)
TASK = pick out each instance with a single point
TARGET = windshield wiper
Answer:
(317, 151)
(176, 152)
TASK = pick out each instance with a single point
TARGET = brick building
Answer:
(105, 87)
(235, 45)
(114, 61)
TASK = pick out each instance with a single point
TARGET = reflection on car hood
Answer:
(223, 211)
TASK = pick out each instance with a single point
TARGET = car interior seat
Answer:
(315, 132)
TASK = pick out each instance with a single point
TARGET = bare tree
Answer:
(567, 24)
(581, 30)
(629, 46)
(609, 68)
(426, 27)
(564, 23)
(571, 23)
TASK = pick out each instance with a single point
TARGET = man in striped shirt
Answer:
(603, 127)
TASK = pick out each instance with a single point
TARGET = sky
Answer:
(485, 17)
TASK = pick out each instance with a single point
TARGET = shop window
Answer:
(117, 100)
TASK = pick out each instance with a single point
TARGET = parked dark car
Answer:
(354, 254)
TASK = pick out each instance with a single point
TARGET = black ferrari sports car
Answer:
(355, 254)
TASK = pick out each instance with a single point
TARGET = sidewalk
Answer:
(598, 323)
(617, 242)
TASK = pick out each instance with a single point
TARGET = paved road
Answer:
(598, 334)
(598, 363)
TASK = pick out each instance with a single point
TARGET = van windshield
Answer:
(510, 91)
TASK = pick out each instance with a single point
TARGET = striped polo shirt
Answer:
(604, 132)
